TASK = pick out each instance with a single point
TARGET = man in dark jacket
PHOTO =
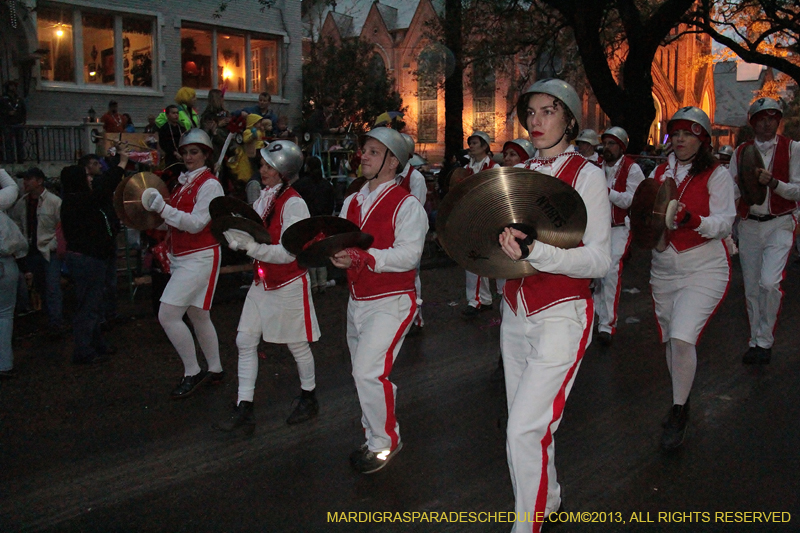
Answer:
(86, 219)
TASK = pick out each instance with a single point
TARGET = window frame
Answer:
(78, 84)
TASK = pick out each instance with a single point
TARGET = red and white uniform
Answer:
(690, 278)
(413, 181)
(478, 290)
(382, 301)
(194, 252)
(622, 178)
(766, 235)
(278, 306)
(547, 325)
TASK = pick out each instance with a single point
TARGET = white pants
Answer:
(606, 292)
(375, 333)
(418, 321)
(478, 291)
(247, 343)
(763, 251)
(541, 357)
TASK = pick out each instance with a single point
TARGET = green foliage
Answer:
(354, 77)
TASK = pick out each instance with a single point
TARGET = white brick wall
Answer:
(70, 104)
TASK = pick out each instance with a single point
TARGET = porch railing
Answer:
(21, 144)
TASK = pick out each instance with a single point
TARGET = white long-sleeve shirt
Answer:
(790, 190)
(622, 200)
(199, 218)
(593, 259)
(411, 226)
(294, 210)
(8, 190)
(418, 187)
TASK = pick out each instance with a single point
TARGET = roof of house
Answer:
(733, 97)
(396, 14)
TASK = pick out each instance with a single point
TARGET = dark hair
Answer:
(35, 172)
(84, 160)
(73, 179)
(127, 116)
(572, 122)
(171, 106)
(314, 166)
(266, 95)
(327, 101)
(703, 160)
(112, 102)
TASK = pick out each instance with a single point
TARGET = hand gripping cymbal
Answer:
(314, 240)
(128, 200)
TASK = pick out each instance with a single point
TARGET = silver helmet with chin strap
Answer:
(409, 142)
(618, 134)
(284, 156)
(554, 87)
(525, 144)
(691, 114)
(392, 140)
(764, 104)
(196, 136)
(482, 135)
(588, 136)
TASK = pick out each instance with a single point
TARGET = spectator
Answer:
(13, 115)
(281, 128)
(38, 213)
(151, 124)
(169, 135)
(186, 99)
(318, 195)
(90, 245)
(9, 273)
(324, 119)
(128, 121)
(112, 121)
(215, 120)
(262, 109)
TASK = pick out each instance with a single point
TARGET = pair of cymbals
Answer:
(650, 227)
(230, 213)
(749, 168)
(128, 200)
(476, 210)
(315, 240)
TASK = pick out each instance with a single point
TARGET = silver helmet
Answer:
(196, 136)
(725, 150)
(417, 161)
(764, 104)
(409, 142)
(284, 156)
(554, 87)
(392, 140)
(691, 114)
(525, 144)
(588, 136)
(482, 135)
(619, 134)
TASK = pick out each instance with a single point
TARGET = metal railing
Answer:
(40, 143)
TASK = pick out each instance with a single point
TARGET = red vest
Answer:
(620, 184)
(780, 171)
(486, 166)
(183, 199)
(545, 290)
(693, 191)
(276, 275)
(406, 181)
(380, 223)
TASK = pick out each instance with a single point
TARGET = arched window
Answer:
(377, 66)
(655, 136)
(483, 89)
(431, 65)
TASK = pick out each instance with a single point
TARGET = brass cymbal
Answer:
(314, 240)
(128, 200)
(475, 212)
(222, 224)
(749, 164)
(457, 175)
(648, 213)
(225, 206)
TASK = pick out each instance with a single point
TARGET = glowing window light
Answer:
(227, 74)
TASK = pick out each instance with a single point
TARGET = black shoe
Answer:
(307, 408)
(90, 360)
(8, 374)
(471, 311)
(188, 385)
(757, 355)
(547, 525)
(675, 428)
(216, 378)
(242, 417)
(605, 339)
(367, 462)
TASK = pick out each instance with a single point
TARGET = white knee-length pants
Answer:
(606, 292)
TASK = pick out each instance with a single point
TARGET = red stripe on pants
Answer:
(306, 309)
(212, 281)
(388, 393)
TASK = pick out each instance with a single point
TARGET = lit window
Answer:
(196, 58)
(264, 61)
(137, 51)
(55, 40)
(231, 64)
(98, 49)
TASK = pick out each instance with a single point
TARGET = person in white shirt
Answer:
(766, 231)
(587, 143)
(413, 181)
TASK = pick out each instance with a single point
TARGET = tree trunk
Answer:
(454, 83)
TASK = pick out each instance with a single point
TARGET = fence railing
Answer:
(20, 144)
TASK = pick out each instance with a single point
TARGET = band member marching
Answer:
(413, 181)
(547, 317)
(479, 294)
(623, 176)
(194, 262)
(278, 306)
(382, 297)
(766, 231)
(690, 278)
(587, 143)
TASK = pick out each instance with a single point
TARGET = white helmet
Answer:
(284, 156)
(392, 140)
(692, 114)
(196, 136)
(525, 144)
(588, 136)
(410, 142)
(618, 134)
(726, 150)
(764, 104)
(554, 87)
(482, 135)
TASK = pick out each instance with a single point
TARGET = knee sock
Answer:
(206, 337)
(171, 319)
(684, 366)
(669, 357)
(305, 364)
(247, 343)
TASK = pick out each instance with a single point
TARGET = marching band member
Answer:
(587, 143)
(517, 152)
(194, 262)
(690, 278)
(413, 181)
(547, 318)
(479, 294)
(382, 296)
(766, 231)
(623, 176)
(278, 307)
